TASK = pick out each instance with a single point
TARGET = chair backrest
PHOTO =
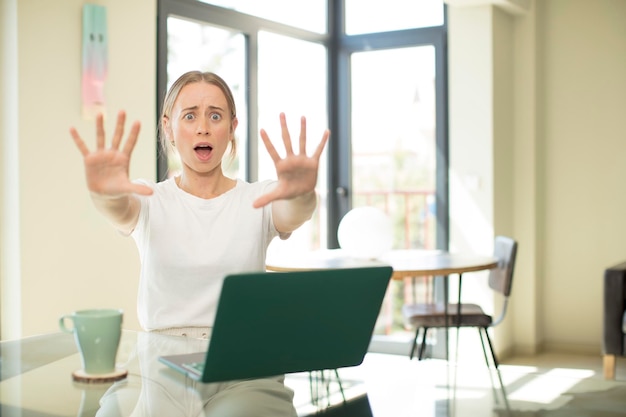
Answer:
(501, 278)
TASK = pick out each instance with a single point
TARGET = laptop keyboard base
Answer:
(195, 367)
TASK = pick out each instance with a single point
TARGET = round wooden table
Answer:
(406, 263)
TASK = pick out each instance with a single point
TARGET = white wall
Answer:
(69, 258)
(584, 65)
(482, 141)
(9, 253)
(537, 120)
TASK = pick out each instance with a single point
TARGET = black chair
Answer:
(614, 318)
(434, 315)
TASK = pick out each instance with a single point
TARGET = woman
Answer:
(194, 229)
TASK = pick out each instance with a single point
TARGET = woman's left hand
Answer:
(297, 173)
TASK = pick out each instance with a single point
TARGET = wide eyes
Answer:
(215, 117)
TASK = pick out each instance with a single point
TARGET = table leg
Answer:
(458, 304)
(458, 319)
(445, 312)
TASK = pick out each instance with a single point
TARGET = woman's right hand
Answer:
(106, 169)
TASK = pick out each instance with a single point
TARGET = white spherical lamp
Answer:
(365, 232)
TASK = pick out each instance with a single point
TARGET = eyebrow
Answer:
(196, 108)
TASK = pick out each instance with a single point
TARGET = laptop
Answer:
(273, 323)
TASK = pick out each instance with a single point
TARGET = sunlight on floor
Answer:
(546, 385)
(543, 389)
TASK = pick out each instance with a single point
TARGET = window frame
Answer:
(339, 48)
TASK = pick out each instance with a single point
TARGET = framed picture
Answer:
(94, 60)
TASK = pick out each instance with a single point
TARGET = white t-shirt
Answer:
(187, 245)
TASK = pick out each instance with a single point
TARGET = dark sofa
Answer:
(614, 320)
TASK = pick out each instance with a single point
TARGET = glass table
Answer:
(36, 380)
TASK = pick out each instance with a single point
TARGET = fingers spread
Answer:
(303, 135)
(322, 144)
(264, 200)
(285, 134)
(80, 144)
(140, 189)
(100, 131)
(132, 138)
(269, 146)
(119, 130)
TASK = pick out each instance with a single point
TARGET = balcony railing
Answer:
(413, 217)
(411, 211)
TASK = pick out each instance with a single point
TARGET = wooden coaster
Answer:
(81, 376)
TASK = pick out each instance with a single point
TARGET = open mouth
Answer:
(203, 151)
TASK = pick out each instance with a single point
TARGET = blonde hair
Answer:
(172, 94)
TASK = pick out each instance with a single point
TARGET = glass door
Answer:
(294, 83)
(193, 45)
(394, 165)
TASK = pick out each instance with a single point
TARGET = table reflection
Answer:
(36, 381)
(152, 389)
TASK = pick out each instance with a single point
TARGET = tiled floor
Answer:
(547, 385)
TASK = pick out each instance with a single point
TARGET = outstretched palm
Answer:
(106, 169)
(297, 174)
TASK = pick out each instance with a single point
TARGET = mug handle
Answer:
(62, 324)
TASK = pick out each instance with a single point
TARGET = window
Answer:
(394, 15)
(294, 83)
(378, 84)
(394, 151)
(308, 15)
(197, 45)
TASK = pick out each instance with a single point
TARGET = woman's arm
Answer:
(122, 212)
(290, 214)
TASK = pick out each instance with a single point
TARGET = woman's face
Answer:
(200, 126)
